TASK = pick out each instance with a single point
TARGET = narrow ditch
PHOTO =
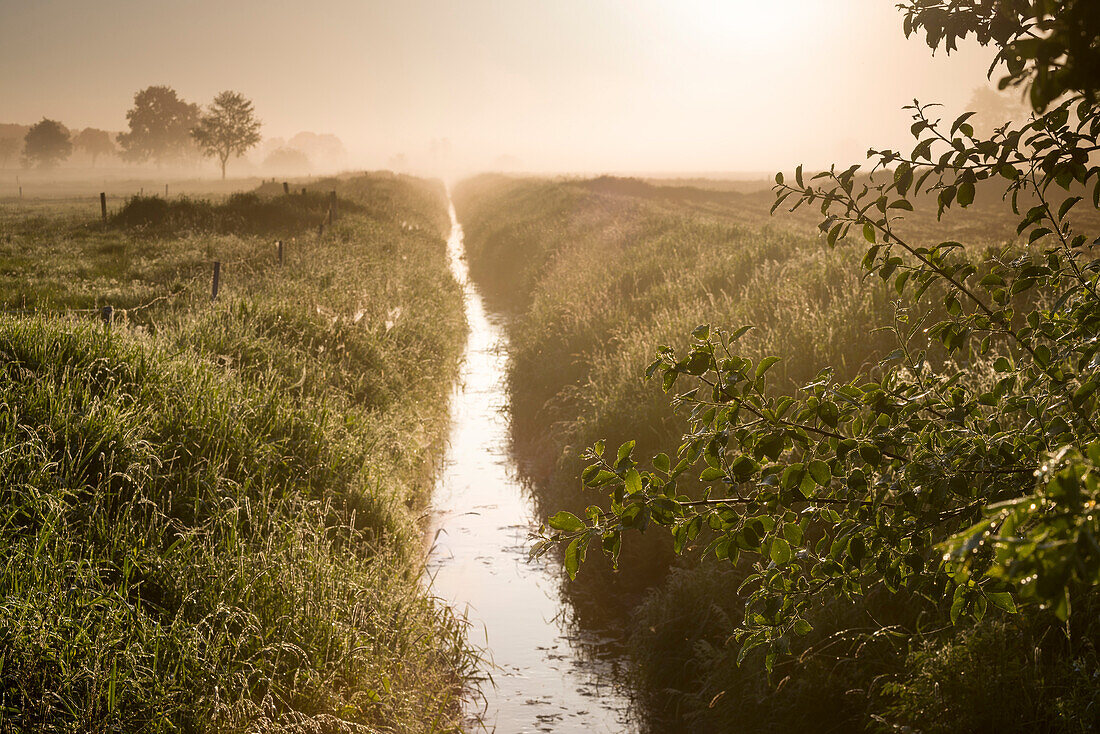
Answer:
(542, 674)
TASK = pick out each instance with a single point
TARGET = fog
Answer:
(587, 86)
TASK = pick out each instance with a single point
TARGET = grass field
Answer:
(596, 274)
(211, 508)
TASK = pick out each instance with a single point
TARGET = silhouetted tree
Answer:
(9, 148)
(160, 126)
(47, 144)
(95, 143)
(229, 127)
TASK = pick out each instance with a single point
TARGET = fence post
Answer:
(321, 230)
(217, 277)
(303, 191)
(286, 188)
(280, 244)
(165, 191)
(103, 204)
(332, 207)
(106, 313)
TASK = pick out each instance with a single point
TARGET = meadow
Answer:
(212, 507)
(596, 275)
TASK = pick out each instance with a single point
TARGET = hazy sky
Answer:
(587, 85)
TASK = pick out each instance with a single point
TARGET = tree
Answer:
(47, 144)
(966, 467)
(229, 128)
(9, 148)
(287, 161)
(94, 142)
(160, 127)
(992, 109)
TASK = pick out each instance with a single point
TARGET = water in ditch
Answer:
(546, 675)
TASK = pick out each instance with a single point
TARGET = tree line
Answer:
(163, 128)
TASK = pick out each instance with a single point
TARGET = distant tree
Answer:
(95, 143)
(9, 148)
(993, 109)
(229, 128)
(325, 150)
(47, 143)
(287, 160)
(160, 126)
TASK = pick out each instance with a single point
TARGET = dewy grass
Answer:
(600, 273)
(209, 513)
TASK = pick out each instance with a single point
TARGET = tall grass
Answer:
(211, 509)
(599, 275)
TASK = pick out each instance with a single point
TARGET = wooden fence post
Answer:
(303, 191)
(332, 207)
(165, 191)
(286, 188)
(321, 230)
(103, 204)
(280, 245)
(217, 277)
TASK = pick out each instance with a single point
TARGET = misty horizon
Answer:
(575, 87)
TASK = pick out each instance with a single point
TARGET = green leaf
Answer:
(765, 363)
(633, 481)
(1084, 392)
(710, 474)
(661, 462)
(793, 533)
(744, 467)
(965, 196)
(770, 445)
(802, 627)
(624, 450)
(781, 551)
(1067, 205)
(820, 472)
(566, 521)
(955, 126)
(602, 477)
(857, 549)
(572, 558)
(1002, 600)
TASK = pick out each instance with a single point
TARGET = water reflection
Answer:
(546, 675)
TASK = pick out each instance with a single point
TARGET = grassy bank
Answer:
(597, 274)
(211, 508)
